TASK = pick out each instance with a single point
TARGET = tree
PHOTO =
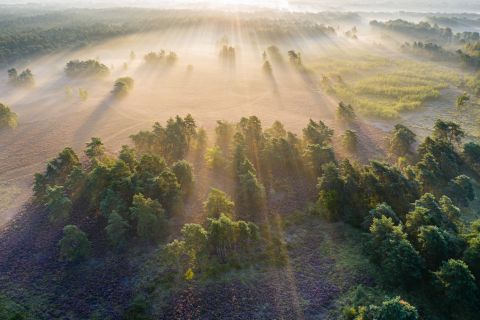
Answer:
(295, 58)
(74, 246)
(58, 204)
(215, 158)
(122, 87)
(224, 132)
(345, 112)
(471, 256)
(24, 79)
(350, 140)
(129, 156)
(448, 131)
(397, 309)
(437, 245)
(117, 230)
(149, 218)
(380, 210)
(401, 140)
(183, 170)
(401, 263)
(8, 119)
(218, 202)
(86, 69)
(318, 156)
(317, 133)
(471, 152)
(195, 238)
(267, 68)
(461, 190)
(456, 285)
(462, 100)
(95, 149)
(330, 187)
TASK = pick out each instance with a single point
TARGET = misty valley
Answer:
(239, 160)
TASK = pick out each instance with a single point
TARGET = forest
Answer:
(178, 162)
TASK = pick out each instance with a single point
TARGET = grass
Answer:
(383, 88)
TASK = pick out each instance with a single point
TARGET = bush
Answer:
(74, 246)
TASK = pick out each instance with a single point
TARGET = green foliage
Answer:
(57, 172)
(401, 140)
(214, 158)
(171, 141)
(24, 79)
(456, 286)
(401, 263)
(350, 141)
(317, 133)
(330, 188)
(57, 203)
(218, 202)
(397, 309)
(461, 190)
(122, 86)
(345, 112)
(318, 156)
(161, 58)
(183, 170)
(86, 69)
(149, 218)
(9, 310)
(250, 195)
(117, 230)
(74, 246)
(224, 132)
(95, 149)
(380, 210)
(437, 245)
(471, 256)
(462, 100)
(224, 241)
(448, 131)
(8, 119)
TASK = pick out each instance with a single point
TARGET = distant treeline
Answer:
(23, 36)
(426, 31)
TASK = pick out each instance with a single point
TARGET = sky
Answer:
(472, 6)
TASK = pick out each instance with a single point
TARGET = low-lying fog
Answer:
(457, 6)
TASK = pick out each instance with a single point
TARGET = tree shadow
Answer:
(84, 132)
